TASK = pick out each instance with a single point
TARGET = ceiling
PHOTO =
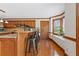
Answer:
(31, 10)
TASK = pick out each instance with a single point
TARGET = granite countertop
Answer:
(12, 33)
(8, 36)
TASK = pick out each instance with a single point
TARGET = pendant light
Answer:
(6, 21)
(1, 20)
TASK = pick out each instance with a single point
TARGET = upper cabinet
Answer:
(13, 24)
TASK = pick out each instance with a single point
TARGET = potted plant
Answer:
(61, 31)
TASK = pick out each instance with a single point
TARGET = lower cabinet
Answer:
(8, 47)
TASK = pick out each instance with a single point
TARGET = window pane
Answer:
(57, 26)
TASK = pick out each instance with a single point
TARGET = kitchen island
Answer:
(13, 43)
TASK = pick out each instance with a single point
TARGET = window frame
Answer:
(61, 25)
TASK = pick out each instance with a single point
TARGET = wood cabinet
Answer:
(77, 27)
(12, 24)
(8, 47)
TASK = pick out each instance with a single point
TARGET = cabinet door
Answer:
(8, 47)
(33, 24)
(10, 24)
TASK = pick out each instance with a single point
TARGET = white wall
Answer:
(51, 25)
(1, 24)
(70, 20)
(37, 24)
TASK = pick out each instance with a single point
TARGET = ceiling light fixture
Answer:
(2, 10)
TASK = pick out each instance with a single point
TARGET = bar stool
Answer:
(31, 43)
(37, 39)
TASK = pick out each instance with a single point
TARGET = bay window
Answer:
(58, 26)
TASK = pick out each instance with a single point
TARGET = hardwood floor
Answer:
(44, 48)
